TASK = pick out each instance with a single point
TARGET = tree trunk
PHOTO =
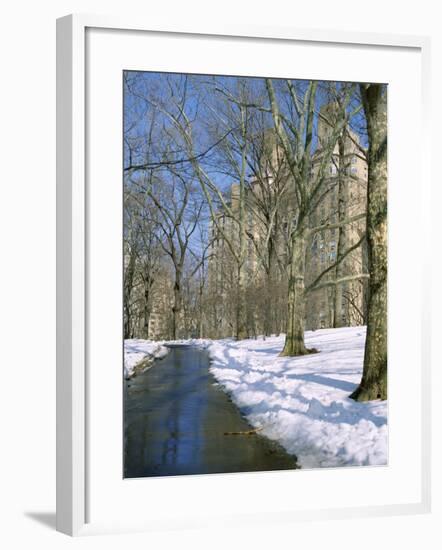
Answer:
(270, 297)
(200, 308)
(128, 286)
(294, 340)
(176, 308)
(241, 331)
(268, 303)
(341, 243)
(241, 323)
(127, 321)
(147, 311)
(374, 377)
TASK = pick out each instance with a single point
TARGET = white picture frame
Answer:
(76, 492)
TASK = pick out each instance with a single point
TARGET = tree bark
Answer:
(176, 308)
(128, 286)
(147, 307)
(341, 244)
(241, 330)
(374, 377)
(269, 304)
(294, 340)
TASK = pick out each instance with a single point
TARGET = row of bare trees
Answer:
(223, 178)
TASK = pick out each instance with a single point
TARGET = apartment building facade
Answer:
(341, 293)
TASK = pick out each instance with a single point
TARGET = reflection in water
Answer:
(175, 419)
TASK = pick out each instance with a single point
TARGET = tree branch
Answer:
(314, 285)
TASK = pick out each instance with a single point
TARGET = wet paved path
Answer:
(176, 419)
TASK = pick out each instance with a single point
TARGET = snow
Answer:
(303, 402)
(139, 351)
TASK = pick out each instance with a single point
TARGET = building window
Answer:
(353, 160)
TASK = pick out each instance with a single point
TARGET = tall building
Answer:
(342, 197)
(336, 295)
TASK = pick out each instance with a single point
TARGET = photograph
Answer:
(254, 268)
(221, 280)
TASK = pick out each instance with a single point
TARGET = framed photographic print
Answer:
(237, 210)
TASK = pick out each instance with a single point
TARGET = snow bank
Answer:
(140, 354)
(302, 402)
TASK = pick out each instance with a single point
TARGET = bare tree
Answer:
(130, 258)
(232, 123)
(179, 207)
(374, 378)
(149, 263)
(267, 192)
(296, 137)
(234, 171)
